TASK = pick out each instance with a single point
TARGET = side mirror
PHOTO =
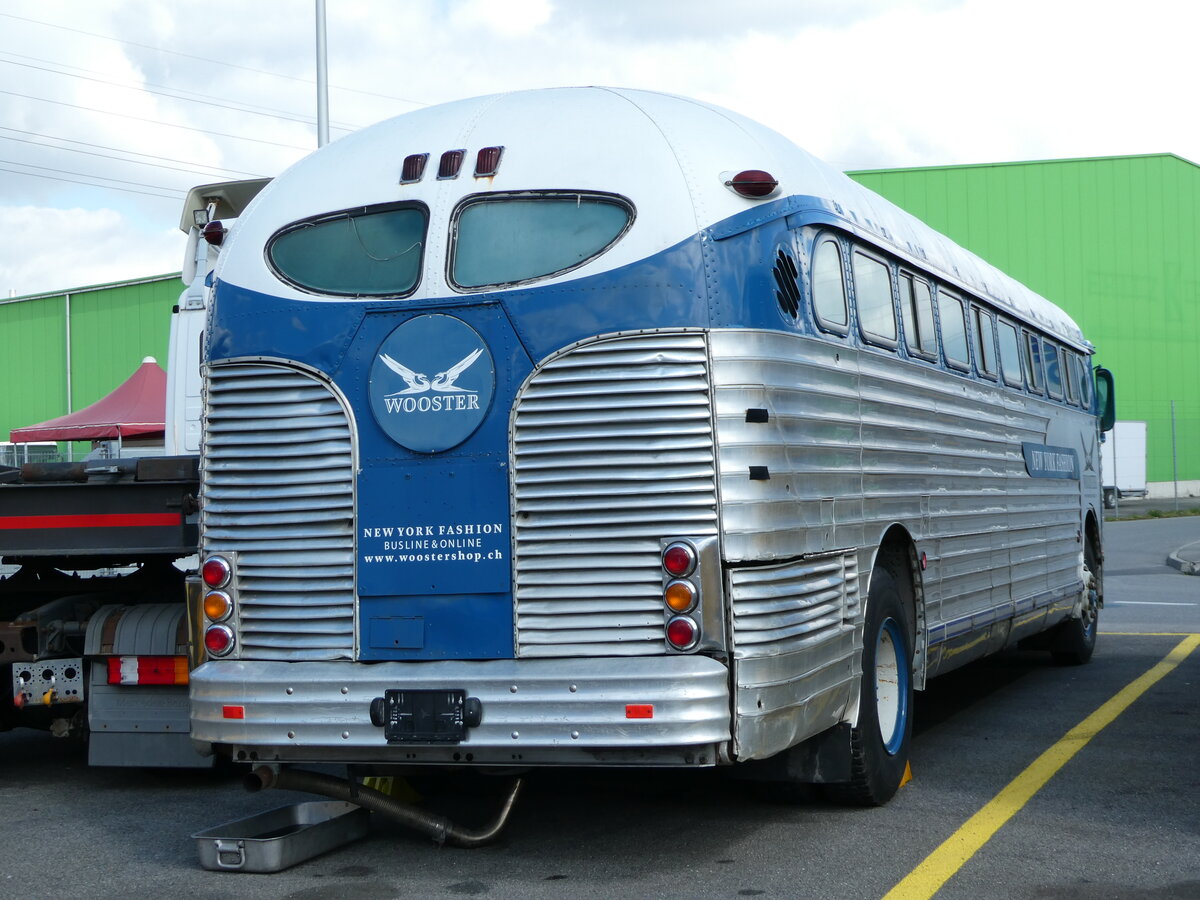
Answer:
(1106, 399)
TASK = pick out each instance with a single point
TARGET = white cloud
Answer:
(862, 83)
(49, 249)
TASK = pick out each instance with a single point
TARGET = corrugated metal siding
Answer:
(929, 453)
(612, 450)
(1115, 242)
(277, 488)
(780, 609)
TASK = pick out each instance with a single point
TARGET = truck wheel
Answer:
(879, 743)
(1074, 640)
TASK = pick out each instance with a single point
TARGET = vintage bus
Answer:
(588, 426)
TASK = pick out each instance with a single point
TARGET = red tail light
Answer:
(147, 670)
(682, 633)
(218, 640)
(216, 572)
(679, 559)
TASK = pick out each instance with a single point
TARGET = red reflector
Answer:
(487, 161)
(639, 711)
(753, 183)
(147, 670)
(414, 168)
(451, 162)
(233, 712)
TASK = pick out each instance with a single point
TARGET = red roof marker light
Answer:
(753, 183)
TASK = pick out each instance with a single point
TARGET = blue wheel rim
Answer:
(891, 686)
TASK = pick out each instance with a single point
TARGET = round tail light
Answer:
(217, 605)
(218, 640)
(680, 596)
(679, 559)
(216, 572)
(683, 633)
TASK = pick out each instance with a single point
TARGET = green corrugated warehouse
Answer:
(1114, 241)
(64, 350)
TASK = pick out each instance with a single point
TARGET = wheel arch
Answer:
(898, 542)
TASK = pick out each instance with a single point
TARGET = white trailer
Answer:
(1123, 462)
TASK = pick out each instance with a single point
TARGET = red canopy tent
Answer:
(136, 408)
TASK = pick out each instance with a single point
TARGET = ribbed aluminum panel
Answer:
(278, 490)
(612, 450)
(779, 609)
(860, 439)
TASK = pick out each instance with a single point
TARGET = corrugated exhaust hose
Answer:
(436, 827)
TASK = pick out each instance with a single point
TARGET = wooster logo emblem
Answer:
(427, 413)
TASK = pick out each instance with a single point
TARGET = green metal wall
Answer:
(1113, 241)
(112, 328)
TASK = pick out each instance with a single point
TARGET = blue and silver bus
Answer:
(588, 426)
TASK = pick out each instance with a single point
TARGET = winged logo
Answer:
(420, 383)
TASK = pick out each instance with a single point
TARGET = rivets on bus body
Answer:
(345, 690)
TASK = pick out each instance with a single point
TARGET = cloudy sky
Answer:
(110, 111)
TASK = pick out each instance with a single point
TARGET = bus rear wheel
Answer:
(1074, 641)
(879, 743)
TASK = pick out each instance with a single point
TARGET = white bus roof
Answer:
(670, 155)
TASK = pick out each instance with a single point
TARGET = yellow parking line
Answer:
(927, 879)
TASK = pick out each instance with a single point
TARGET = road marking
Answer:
(1146, 633)
(1146, 603)
(937, 868)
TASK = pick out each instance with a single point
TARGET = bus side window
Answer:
(916, 306)
(1010, 354)
(873, 300)
(1053, 376)
(1085, 382)
(954, 331)
(985, 336)
(829, 288)
(1069, 373)
(1032, 350)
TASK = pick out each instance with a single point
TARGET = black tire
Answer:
(880, 742)
(1074, 640)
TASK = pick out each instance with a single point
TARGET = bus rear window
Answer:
(369, 252)
(502, 239)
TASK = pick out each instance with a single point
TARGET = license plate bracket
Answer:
(423, 717)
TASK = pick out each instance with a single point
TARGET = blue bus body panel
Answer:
(433, 568)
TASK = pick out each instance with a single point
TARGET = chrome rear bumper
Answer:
(538, 711)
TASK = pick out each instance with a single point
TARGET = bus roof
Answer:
(670, 155)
